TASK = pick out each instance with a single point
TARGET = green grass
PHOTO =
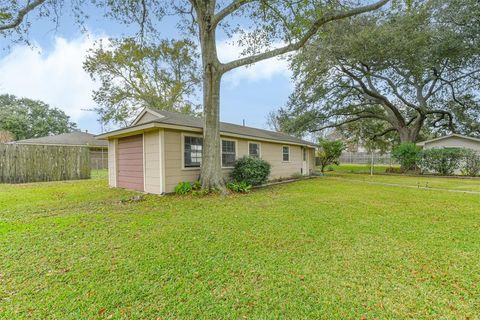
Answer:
(359, 168)
(323, 248)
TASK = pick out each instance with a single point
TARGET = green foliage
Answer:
(26, 118)
(183, 188)
(366, 70)
(240, 187)
(443, 161)
(163, 76)
(329, 153)
(407, 154)
(471, 163)
(252, 170)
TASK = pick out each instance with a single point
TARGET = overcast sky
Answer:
(52, 71)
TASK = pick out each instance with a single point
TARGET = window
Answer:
(192, 152)
(286, 154)
(228, 153)
(304, 154)
(254, 149)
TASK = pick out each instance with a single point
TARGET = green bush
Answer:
(407, 154)
(251, 170)
(183, 188)
(471, 163)
(442, 161)
(241, 187)
(329, 153)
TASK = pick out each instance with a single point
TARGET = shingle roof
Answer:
(76, 138)
(175, 118)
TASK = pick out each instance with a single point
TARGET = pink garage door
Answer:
(130, 162)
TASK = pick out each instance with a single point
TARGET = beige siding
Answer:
(271, 152)
(112, 166)
(152, 162)
(311, 160)
(454, 142)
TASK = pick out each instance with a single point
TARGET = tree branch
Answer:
(21, 15)
(301, 42)
(231, 8)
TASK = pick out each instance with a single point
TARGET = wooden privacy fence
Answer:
(33, 163)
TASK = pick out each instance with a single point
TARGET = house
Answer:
(98, 148)
(161, 149)
(452, 141)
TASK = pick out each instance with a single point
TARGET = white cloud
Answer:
(55, 77)
(263, 70)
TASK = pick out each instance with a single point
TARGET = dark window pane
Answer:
(228, 153)
(286, 154)
(193, 152)
(254, 149)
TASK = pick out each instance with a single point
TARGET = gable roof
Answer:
(76, 138)
(453, 135)
(179, 119)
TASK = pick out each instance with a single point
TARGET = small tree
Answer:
(471, 163)
(329, 153)
(407, 154)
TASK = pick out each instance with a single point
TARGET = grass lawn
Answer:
(359, 168)
(324, 248)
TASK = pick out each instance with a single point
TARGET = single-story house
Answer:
(452, 141)
(161, 149)
(98, 148)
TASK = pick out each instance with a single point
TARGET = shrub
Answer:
(241, 187)
(329, 153)
(471, 163)
(442, 161)
(407, 154)
(183, 188)
(251, 170)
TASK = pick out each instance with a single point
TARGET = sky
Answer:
(51, 71)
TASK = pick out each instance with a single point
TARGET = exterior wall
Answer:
(112, 162)
(269, 151)
(152, 165)
(454, 142)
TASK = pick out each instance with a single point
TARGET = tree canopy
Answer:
(403, 71)
(164, 76)
(26, 118)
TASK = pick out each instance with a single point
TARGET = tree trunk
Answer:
(410, 133)
(211, 176)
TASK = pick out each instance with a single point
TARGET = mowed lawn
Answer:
(324, 248)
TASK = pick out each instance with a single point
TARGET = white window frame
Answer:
(221, 151)
(289, 154)
(259, 148)
(182, 151)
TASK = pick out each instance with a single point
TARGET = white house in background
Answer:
(452, 141)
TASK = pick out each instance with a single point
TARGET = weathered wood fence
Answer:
(33, 163)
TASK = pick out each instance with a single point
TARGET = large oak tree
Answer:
(401, 71)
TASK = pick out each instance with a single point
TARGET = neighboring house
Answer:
(452, 141)
(161, 149)
(98, 149)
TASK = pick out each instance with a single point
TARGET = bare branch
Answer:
(21, 15)
(231, 8)
(309, 34)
